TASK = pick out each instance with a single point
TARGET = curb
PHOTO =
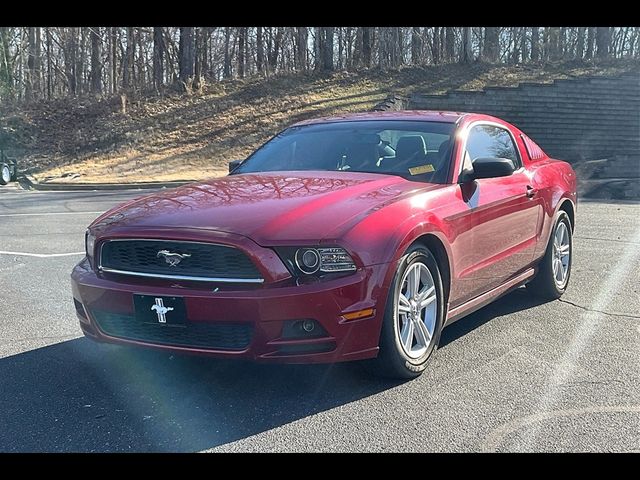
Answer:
(27, 182)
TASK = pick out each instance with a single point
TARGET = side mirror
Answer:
(489, 167)
(233, 164)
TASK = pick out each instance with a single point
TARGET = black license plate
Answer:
(160, 310)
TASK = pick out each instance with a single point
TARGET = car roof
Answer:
(420, 115)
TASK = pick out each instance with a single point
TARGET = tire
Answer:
(5, 174)
(400, 356)
(547, 283)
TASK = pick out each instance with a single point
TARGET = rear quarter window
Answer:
(533, 150)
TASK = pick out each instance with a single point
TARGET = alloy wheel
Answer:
(416, 310)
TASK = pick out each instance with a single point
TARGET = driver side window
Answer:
(491, 141)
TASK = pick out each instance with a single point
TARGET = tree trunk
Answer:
(340, 48)
(242, 35)
(70, 52)
(259, 50)
(275, 52)
(327, 57)
(490, 50)
(366, 46)
(435, 49)
(203, 53)
(6, 63)
(416, 45)
(185, 56)
(395, 47)
(113, 58)
(553, 43)
(29, 93)
(523, 44)
(302, 34)
(535, 44)
(318, 40)
(591, 38)
(515, 52)
(49, 72)
(466, 54)
(158, 58)
(603, 42)
(449, 43)
(96, 61)
(580, 43)
(227, 53)
(383, 47)
(127, 61)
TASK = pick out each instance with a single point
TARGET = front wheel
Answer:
(554, 269)
(413, 317)
(5, 174)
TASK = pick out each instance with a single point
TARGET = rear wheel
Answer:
(5, 174)
(413, 317)
(555, 267)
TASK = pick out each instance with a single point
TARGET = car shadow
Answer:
(515, 301)
(81, 396)
(78, 395)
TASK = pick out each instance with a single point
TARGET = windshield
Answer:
(415, 150)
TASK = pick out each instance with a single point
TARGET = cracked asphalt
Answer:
(518, 375)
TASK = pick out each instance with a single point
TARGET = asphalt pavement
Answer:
(518, 375)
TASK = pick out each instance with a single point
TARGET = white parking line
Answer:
(41, 255)
(46, 213)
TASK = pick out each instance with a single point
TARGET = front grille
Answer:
(195, 260)
(214, 336)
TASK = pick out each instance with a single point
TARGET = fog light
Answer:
(304, 328)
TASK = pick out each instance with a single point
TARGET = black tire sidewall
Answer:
(390, 339)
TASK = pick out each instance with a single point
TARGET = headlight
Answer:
(316, 260)
(89, 243)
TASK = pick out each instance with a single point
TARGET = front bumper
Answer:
(265, 312)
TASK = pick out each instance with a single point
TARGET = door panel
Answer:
(498, 234)
(497, 228)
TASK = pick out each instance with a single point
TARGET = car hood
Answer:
(269, 208)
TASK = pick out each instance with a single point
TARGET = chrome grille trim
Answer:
(167, 276)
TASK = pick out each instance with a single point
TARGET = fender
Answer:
(408, 232)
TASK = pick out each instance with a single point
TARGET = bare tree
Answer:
(185, 56)
(302, 37)
(242, 35)
(366, 46)
(580, 42)
(603, 42)
(96, 61)
(490, 51)
(59, 61)
(416, 46)
(158, 58)
(466, 54)
(227, 53)
(259, 49)
(449, 43)
(127, 61)
(535, 44)
(31, 88)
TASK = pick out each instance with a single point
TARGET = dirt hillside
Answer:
(178, 136)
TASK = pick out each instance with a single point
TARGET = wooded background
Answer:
(51, 62)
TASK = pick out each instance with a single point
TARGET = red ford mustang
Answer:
(346, 238)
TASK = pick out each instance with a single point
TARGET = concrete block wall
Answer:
(575, 119)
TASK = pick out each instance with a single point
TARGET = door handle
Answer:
(531, 191)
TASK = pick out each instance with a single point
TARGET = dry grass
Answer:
(178, 136)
